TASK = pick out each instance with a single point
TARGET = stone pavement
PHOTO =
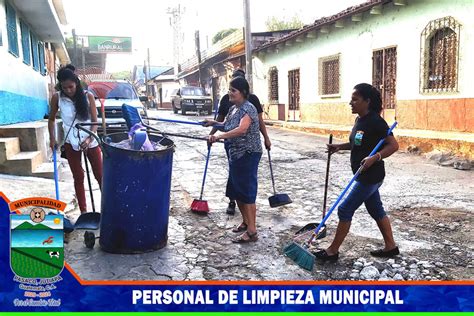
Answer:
(418, 195)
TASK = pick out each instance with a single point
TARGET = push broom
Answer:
(300, 253)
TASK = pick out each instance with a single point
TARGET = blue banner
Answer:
(66, 292)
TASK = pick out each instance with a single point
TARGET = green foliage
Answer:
(125, 74)
(275, 24)
(70, 43)
(221, 34)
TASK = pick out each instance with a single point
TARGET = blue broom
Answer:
(132, 117)
(68, 226)
(300, 253)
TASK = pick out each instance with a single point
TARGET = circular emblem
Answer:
(37, 215)
(114, 111)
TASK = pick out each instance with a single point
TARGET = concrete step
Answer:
(22, 163)
(33, 136)
(9, 146)
(46, 170)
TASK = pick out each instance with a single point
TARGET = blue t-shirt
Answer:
(250, 142)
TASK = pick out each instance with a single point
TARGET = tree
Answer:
(275, 24)
(123, 75)
(221, 34)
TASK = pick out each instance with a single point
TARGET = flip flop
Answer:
(241, 228)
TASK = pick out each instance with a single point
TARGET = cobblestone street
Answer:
(430, 207)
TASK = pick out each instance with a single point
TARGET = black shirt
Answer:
(366, 133)
(225, 104)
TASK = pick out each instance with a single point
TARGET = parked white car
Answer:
(114, 93)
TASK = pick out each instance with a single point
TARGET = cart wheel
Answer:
(89, 239)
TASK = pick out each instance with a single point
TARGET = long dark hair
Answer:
(79, 99)
(368, 92)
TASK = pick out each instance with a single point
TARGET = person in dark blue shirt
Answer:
(368, 130)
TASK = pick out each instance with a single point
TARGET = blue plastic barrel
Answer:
(135, 196)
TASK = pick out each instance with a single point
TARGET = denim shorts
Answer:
(362, 193)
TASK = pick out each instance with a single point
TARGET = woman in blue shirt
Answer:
(242, 134)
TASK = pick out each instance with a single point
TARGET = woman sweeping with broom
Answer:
(77, 106)
(369, 128)
(242, 132)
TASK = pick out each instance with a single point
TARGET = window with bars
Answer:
(11, 30)
(42, 65)
(273, 85)
(329, 75)
(440, 55)
(25, 42)
(35, 53)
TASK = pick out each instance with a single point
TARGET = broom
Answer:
(200, 206)
(300, 254)
(68, 226)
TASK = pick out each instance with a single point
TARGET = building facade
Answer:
(31, 49)
(416, 52)
(218, 62)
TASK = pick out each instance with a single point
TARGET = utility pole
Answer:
(148, 58)
(74, 57)
(83, 59)
(146, 78)
(150, 102)
(198, 55)
(248, 44)
(175, 22)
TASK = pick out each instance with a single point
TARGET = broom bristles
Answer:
(199, 206)
(300, 255)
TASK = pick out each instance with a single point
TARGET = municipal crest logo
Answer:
(37, 243)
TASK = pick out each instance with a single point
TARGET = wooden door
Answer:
(384, 79)
(294, 95)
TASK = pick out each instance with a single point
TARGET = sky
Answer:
(48, 221)
(148, 23)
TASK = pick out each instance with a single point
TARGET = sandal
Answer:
(385, 254)
(324, 256)
(251, 238)
(241, 228)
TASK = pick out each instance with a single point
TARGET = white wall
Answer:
(399, 26)
(16, 76)
(167, 89)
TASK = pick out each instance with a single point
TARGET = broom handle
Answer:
(170, 134)
(205, 171)
(271, 171)
(89, 181)
(183, 122)
(316, 231)
(327, 178)
(55, 163)
(102, 113)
